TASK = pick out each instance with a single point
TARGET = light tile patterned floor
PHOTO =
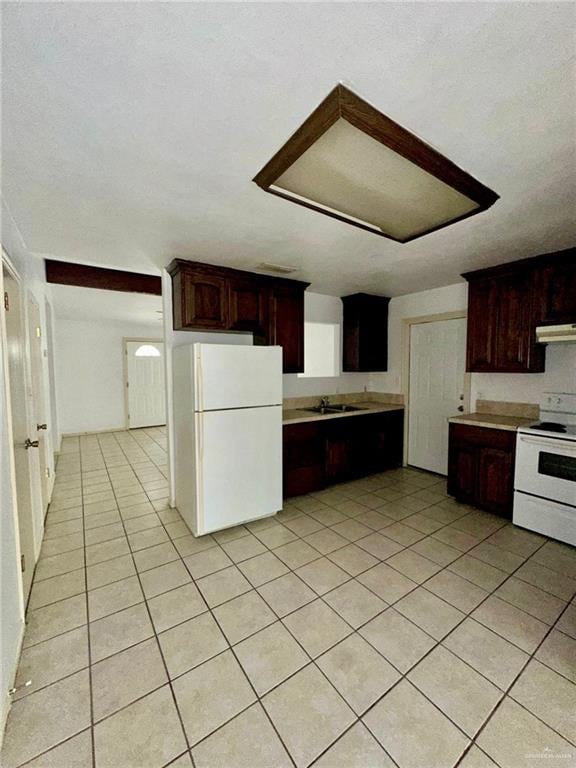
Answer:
(377, 623)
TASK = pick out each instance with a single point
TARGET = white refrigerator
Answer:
(228, 434)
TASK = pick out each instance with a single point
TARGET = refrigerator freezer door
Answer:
(239, 475)
(228, 376)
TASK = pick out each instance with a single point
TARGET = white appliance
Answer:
(228, 434)
(551, 334)
(545, 471)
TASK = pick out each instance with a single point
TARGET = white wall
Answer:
(324, 309)
(560, 374)
(90, 374)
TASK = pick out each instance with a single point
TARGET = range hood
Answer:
(550, 334)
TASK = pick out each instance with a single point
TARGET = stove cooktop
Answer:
(553, 429)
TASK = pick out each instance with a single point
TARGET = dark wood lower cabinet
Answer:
(481, 467)
(304, 458)
(319, 453)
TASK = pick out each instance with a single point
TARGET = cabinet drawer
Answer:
(483, 436)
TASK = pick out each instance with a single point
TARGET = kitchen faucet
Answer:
(324, 402)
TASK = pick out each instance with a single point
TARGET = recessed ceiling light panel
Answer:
(351, 162)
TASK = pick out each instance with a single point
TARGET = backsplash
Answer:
(504, 408)
(388, 398)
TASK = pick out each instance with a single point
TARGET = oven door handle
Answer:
(549, 442)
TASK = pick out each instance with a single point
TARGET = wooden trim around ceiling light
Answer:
(85, 276)
(341, 102)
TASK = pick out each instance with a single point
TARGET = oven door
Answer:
(546, 467)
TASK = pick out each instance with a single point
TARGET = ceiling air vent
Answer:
(276, 269)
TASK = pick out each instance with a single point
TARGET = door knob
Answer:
(460, 408)
(30, 443)
(41, 426)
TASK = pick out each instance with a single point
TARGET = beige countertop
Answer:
(299, 415)
(492, 421)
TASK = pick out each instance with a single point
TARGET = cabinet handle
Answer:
(31, 443)
(41, 426)
(460, 408)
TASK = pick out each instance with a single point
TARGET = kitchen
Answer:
(288, 385)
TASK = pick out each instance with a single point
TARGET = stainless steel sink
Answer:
(321, 409)
(344, 408)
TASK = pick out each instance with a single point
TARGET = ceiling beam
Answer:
(85, 276)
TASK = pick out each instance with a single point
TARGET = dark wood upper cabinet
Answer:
(286, 324)
(481, 334)
(200, 301)
(556, 287)
(365, 333)
(211, 298)
(501, 334)
(507, 302)
(247, 305)
(516, 350)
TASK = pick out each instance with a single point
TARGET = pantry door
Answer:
(436, 392)
(145, 383)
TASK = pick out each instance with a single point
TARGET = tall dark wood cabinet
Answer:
(556, 285)
(286, 324)
(505, 305)
(481, 467)
(502, 322)
(365, 333)
(210, 298)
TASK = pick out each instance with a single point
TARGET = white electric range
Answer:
(545, 471)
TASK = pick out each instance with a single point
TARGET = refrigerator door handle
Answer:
(199, 381)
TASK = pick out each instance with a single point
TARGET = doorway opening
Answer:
(436, 386)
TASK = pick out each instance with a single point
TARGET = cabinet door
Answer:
(557, 290)
(382, 437)
(495, 480)
(247, 306)
(287, 325)
(204, 301)
(515, 340)
(482, 322)
(337, 459)
(462, 471)
(304, 458)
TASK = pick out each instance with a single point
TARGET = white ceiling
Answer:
(132, 130)
(72, 303)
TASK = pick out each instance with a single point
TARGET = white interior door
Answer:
(437, 371)
(38, 404)
(145, 383)
(15, 348)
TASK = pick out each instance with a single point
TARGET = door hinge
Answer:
(6, 301)
(47, 471)
(38, 332)
(22, 563)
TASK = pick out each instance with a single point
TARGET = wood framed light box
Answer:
(351, 162)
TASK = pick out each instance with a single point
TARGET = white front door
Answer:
(437, 370)
(146, 383)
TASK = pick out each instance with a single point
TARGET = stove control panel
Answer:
(558, 402)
